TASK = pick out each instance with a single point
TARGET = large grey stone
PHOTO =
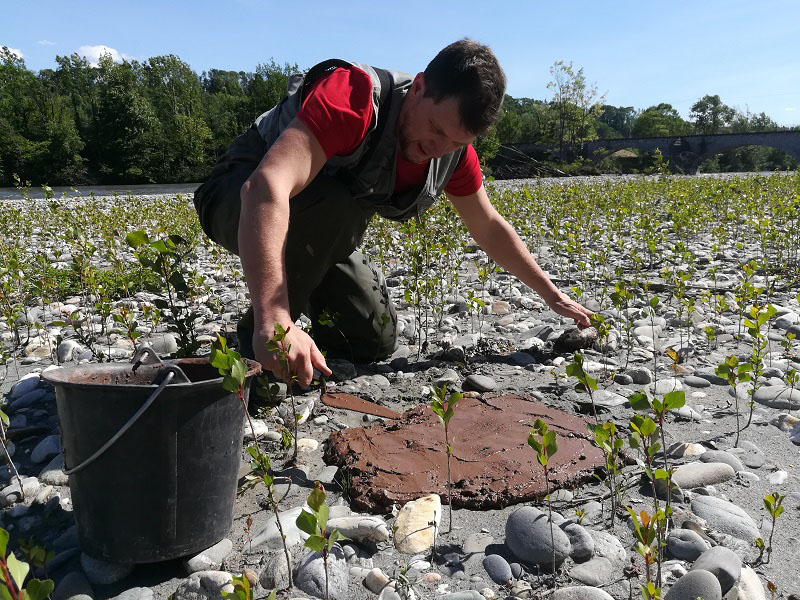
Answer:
(25, 384)
(581, 542)
(581, 592)
(276, 573)
(528, 537)
(74, 586)
(778, 396)
(137, 593)
(597, 571)
(608, 546)
(641, 375)
(685, 544)
(479, 383)
(46, 449)
(711, 376)
(695, 584)
(497, 568)
(27, 400)
(696, 382)
(310, 576)
(750, 586)
(361, 528)
(204, 585)
(101, 572)
(700, 474)
(723, 563)
(211, 558)
(269, 537)
(721, 456)
(725, 517)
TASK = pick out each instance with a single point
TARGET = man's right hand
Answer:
(304, 356)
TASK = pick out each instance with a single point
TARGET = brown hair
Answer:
(470, 72)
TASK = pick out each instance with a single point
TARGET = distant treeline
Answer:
(158, 121)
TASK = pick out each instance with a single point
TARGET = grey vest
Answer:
(369, 172)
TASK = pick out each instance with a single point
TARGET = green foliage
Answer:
(242, 590)
(774, 504)
(13, 575)
(315, 524)
(167, 260)
(230, 365)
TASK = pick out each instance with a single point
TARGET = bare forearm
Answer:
(505, 247)
(263, 224)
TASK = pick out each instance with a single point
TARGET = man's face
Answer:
(428, 130)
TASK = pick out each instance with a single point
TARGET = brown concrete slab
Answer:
(350, 402)
(492, 466)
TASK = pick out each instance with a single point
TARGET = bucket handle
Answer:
(171, 372)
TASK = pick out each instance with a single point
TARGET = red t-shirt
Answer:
(338, 111)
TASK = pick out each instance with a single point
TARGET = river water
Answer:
(188, 188)
(104, 190)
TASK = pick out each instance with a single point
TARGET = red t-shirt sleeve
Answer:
(467, 177)
(338, 110)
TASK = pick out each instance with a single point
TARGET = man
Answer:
(294, 195)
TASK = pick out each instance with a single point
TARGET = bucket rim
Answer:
(60, 377)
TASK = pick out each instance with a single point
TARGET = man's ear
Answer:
(418, 86)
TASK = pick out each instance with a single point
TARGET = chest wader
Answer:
(328, 219)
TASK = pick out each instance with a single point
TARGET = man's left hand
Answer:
(567, 307)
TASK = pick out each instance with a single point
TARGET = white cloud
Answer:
(15, 51)
(790, 109)
(46, 43)
(93, 53)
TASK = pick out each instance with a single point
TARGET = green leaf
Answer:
(542, 458)
(239, 371)
(322, 516)
(306, 522)
(316, 499)
(315, 542)
(38, 589)
(674, 400)
(3, 542)
(136, 238)
(17, 569)
(639, 401)
(534, 443)
(550, 443)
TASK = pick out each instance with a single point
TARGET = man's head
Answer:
(457, 98)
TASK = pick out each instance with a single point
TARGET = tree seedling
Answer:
(242, 590)
(543, 441)
(444, 407)
(735, 373)
(774, 504)
(606, 438)
(586, 383)
(279, 346)
(166, 259)
(233, 369)
(315, 524)
(758, 318)
(645, 530)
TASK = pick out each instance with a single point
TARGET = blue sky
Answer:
(638, 53)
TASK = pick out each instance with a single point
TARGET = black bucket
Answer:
(166, 486)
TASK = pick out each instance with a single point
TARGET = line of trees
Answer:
(159, 121)
(128, 122)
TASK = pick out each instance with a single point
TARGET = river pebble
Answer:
(528, 537)
(695, 584)
(725, 517)
(723, 563)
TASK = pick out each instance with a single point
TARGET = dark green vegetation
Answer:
(158, 121)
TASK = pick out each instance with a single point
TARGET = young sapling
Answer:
(315, 524)
(444, 407)
(543, 441)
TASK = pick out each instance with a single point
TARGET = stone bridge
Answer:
(684, 153)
